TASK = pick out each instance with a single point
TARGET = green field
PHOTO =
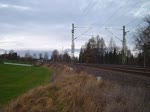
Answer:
(15, 80)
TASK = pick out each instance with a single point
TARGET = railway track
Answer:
(125, 69)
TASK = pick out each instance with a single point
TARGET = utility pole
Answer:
(72, 46)
(73, 38)
(62, 55)
(124, 47)
(124, 50)
(144, 59)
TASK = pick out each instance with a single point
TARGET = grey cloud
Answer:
(53, 18)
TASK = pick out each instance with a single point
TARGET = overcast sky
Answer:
(46, 24)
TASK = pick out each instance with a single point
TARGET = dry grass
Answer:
(76, 91)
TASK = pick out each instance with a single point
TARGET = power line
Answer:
(89, 7)
(114, 28)
(113, 34)
(81, 27)
(116, 12)
(136, 26)
(83, 33)
(132, 21)
(88, 35)
(129, 9)
(84, 10)
(112, 14)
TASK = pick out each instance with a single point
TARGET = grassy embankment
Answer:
(16, 80)
(77, 91)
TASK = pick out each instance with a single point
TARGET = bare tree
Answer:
(111, 45)
(11, 51)
(55, 56)
(46, 56)
(27, 54)
(34, 56)
(147, 19)
(142, 40)
(40, 56)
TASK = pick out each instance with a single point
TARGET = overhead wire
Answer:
(132, 21)
(129, 9)
(131, 31)
(136, 26)
(113, 34)
(83, 33)
(84, 11)
(115, 13)
(109, 17)
(112, 16)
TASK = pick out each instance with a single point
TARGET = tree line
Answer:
(58, 57)
(28, 57)
(96, 51)
(33, 57)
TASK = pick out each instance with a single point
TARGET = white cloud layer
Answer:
(18, 7)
